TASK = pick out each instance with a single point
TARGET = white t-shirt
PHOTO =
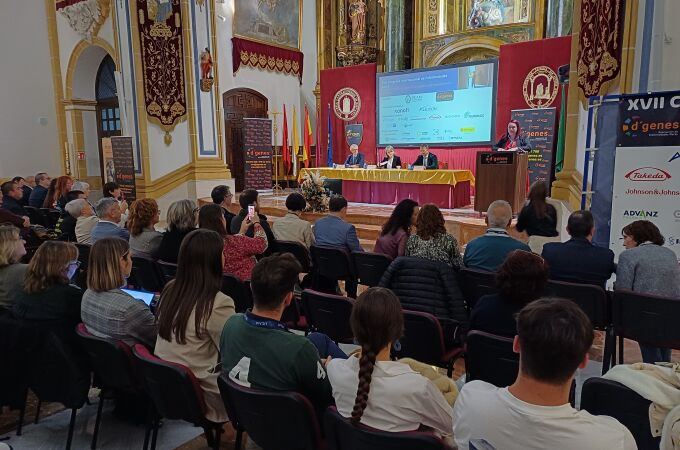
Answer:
(484, 411)
(399, 399)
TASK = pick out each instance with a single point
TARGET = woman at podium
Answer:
(513, 140)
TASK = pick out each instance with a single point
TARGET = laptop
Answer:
(146, 297)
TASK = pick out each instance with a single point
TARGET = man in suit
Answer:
(426, 159)
(578, 260)
(390, 161)
(12, 195)
(221, 195)
(355, 159)
(333, 230)
(25, 189)
(37, 197)
(109, 213)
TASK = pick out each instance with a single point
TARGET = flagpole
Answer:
(277, 189)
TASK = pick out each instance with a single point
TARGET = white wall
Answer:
(26, 93)
(665, 63)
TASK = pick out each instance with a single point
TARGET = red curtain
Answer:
(266, 57)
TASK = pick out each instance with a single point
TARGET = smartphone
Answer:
(251, 211)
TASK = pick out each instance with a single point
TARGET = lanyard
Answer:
(262, 322)
(496, 231)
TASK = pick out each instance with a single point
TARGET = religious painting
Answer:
(490, 13)
(273, 22)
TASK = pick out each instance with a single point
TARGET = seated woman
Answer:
(11, 271)
(390, 161)
(513, 140)
(373, 390)
(192, 312)
(648, 268)
(48, 295)
(85, 222)
(538, 218)
(520, 280)
(106, 310)
(62, 187)
(145, 241)
(431, 240)
(181, 221)
(65, 227)
(395, 232)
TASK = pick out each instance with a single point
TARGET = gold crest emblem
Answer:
(540, 87)
(347, 104)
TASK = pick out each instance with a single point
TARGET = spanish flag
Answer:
(307, 139)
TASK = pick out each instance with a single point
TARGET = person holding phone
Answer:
(249, 197)
(240, 250)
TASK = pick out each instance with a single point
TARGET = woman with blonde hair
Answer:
(11, 272)
(181, 220)
(144, 239)
(106, 310)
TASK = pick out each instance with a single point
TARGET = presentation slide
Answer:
(447, 105)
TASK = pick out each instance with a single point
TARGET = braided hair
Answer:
(377, 321)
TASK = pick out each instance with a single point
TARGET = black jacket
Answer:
(396, 161)
(523, 144)
(14, 206)
(238, 219)
(546, 226)
(432, 161)
(579, 261)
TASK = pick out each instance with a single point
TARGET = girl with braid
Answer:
(371, 389)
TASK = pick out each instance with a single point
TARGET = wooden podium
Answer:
(501, 176)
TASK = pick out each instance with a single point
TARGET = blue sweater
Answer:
(488, 252)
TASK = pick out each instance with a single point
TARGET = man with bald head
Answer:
(488, 252)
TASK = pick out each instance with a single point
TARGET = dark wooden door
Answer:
(239, 104)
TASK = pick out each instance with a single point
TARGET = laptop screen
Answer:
(146, 297)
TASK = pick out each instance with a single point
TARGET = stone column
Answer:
(394, 42)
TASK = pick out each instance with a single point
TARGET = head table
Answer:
(444, 188)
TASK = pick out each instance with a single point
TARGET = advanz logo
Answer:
(640, 213)
(637, 104)
(648, 174)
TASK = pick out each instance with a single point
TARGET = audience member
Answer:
(647, 267)
(108, 211)
(211, 217)
(112, 189)
(431, 240)
(50, 201)
(538, 217)
(42, 183)
(63, 187)
(85, 222)
(145, 241)
(7, 216)
(521, 279)
(192, 312)
(11, 198)
(375, 391)
(488, 252)
(292, 227)
(106, 310)
(249, 197)
(221, 195)
(30, 182)
(258, 350)
(66, 226)
(83, 187)
(333, 230)
(11, 271)
(26, 189)
(553, 340)
(181, 220)
(578, 260)
(240, 250)
(396, 231)
(48, 296)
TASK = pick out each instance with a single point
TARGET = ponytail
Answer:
(366, 365)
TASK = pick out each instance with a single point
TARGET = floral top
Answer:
(442, 248)
(239, 252)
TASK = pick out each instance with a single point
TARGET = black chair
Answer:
(169, 270)
(274, 420)
(176, 394)
(84, 258)
(648, 319)
(423, 341)
(610, 398)
(35, 216)
(476, 283)
(147, 274)
(490, 358)
(239, 291)
(342, 435)
(51, 217)
(298, 250)
(328, 314)
(370, 267)
(333, 263)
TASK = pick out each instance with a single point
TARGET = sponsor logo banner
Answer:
(649, 119)
(539, 127)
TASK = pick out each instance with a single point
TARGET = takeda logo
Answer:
(648, 174)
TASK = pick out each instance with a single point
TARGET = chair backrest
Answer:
(490, 358)
(332, 262)
(51, 216)
(275, 420)
(110, 359)
(610, 398)
(423, 338)
(239, 291)
(475, 284)
(298, 250)
(147, 274)
(169, 270)
(84, 258)
(173, 387)
(648, 319)
(370, 267)
(328, 314)
(35, 216)
(342, 435)
(590, 298)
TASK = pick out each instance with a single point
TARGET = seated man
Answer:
(11, 198)
(291, 227)
(9, 217)
(426, 159)
(553, 340)
(258, 351)
(221, 195)
(25, 189)
(37, 197)
(488, 252)
(249, 197)
(355, 159)
(109, 213)
(578, 260)
(332, 230)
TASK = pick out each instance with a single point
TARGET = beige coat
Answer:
(291, 228)
(202, 355)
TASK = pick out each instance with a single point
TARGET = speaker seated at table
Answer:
(513, 140)
(426, 159)
(355, 160)
(390, 161)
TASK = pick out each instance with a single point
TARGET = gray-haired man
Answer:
(109, 213)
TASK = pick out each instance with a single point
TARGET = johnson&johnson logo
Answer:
(648, 174)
